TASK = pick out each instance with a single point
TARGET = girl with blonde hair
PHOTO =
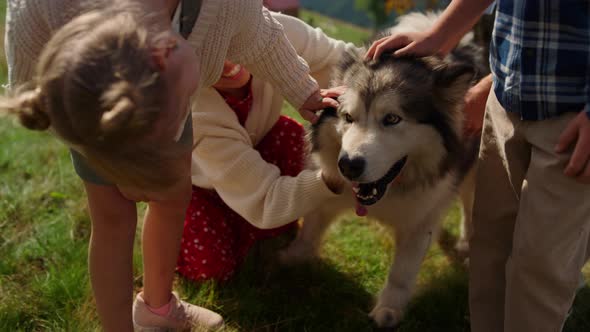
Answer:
(115, 85)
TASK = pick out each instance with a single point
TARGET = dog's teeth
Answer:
(374, 191)
(356, 189)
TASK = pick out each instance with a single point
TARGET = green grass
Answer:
(44, 231)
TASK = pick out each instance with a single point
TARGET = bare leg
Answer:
(162, 232)
(114, 219)
(467, 195)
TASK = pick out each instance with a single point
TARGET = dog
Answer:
(397, 142)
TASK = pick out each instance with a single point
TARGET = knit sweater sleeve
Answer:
(260, 44)
(312, 44)
(248, 184)
(27, 31)
(29, 26)
(321, 52)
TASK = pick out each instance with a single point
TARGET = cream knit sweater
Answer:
(224, 157)
(236, 29)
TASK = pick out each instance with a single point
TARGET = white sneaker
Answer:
(183, 316)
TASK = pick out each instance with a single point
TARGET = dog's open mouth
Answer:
(371, 192)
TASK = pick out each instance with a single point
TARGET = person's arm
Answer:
(455, 21)
(249, 185)
(475, 105)
(260, 44)
(321, 52)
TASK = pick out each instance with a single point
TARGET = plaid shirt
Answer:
(540, 57)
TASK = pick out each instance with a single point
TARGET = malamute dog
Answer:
(397, 139)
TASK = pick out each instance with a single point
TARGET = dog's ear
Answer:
(453, 80)
(348, 60)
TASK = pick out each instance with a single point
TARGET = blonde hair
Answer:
(98, 90)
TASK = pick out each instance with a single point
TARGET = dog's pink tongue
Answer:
(361, 210)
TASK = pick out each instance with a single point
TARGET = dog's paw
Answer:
(385, 317)
(296, 254)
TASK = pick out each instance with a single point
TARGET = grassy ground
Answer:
(44, 231)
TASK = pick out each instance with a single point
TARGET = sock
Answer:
(161, 311)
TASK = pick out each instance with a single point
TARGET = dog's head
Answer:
(400, 121)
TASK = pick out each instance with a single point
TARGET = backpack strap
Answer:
(189, 12)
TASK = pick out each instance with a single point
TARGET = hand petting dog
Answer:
(405, 44)
(319, 100)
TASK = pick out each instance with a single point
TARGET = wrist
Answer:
(335, 184)
(443, 36)
(482, 88)
(436, 37)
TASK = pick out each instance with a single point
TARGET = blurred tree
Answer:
(375, 9)
(380, 10)
(399, 6)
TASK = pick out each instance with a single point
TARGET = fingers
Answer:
(333, 92)
(329, 102)
(325, 100)
(579, 159)
(584, 177)
(309, 116)
(403, 44)
(371, 52)
(568, 137)
(410, 49)
(389, 44)
(577, 132)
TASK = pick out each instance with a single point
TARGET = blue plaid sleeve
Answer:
(588, 91)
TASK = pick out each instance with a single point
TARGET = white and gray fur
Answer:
(427, 94)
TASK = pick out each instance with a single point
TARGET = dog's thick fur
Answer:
(397, 114)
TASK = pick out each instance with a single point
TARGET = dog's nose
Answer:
(351, 168)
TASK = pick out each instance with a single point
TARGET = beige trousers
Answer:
(531, 226)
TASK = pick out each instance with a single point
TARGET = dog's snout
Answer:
(351, 168)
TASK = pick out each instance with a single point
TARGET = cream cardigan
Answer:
(224, 157)
(236, 29)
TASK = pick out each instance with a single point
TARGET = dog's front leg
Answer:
(306, 245)
(467, 195)
(411, 247)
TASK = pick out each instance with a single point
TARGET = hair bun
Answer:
(31, 113)
(121, 102)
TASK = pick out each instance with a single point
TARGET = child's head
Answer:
(114, 85)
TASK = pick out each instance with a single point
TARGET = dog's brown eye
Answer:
(391, 119)
(348, 118)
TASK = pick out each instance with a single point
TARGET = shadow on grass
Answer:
(319, 297)
(440, 305)
(579, 319)
(266, 296)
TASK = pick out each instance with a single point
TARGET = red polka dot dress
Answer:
(216, 239)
